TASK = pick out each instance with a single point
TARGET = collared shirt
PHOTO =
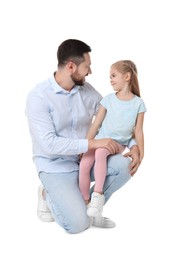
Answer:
(58, 122)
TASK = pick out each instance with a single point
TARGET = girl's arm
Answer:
(97, 123)
(139, 135)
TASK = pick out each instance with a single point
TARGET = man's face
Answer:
(78, 77)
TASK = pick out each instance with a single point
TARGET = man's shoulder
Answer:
(87, 87)
(40, 87)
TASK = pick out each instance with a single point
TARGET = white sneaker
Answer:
(103, 222)
(43, 212)
(95, 207)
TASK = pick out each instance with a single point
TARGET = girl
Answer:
(120, 115)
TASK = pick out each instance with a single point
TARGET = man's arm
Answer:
(106, 143)
(43, 131)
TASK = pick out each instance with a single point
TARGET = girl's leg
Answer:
(117, 174)
(86, 164)
(97, 198)
(100, 168)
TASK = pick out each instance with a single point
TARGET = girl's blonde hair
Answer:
(124, 66)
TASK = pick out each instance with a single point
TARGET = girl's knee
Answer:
(101, 153)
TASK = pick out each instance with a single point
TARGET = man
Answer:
(60, 111)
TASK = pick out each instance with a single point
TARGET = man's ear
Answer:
(71, 66)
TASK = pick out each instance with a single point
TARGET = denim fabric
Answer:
(65, 200)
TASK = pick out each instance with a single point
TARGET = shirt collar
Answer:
(58, 89)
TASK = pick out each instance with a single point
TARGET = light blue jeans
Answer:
(65, 200)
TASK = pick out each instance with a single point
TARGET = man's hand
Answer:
(134, 155)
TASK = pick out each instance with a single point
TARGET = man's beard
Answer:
(77, 79)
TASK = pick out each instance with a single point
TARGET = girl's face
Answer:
(117, 79)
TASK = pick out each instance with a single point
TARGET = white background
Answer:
(30, 34)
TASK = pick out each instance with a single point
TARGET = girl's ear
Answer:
(127, 76)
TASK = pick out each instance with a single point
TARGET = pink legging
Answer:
(100, 169)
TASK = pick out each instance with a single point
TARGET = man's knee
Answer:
(118, 164)
(73, 221)
(76, 227)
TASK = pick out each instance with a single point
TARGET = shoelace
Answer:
(95, 201)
